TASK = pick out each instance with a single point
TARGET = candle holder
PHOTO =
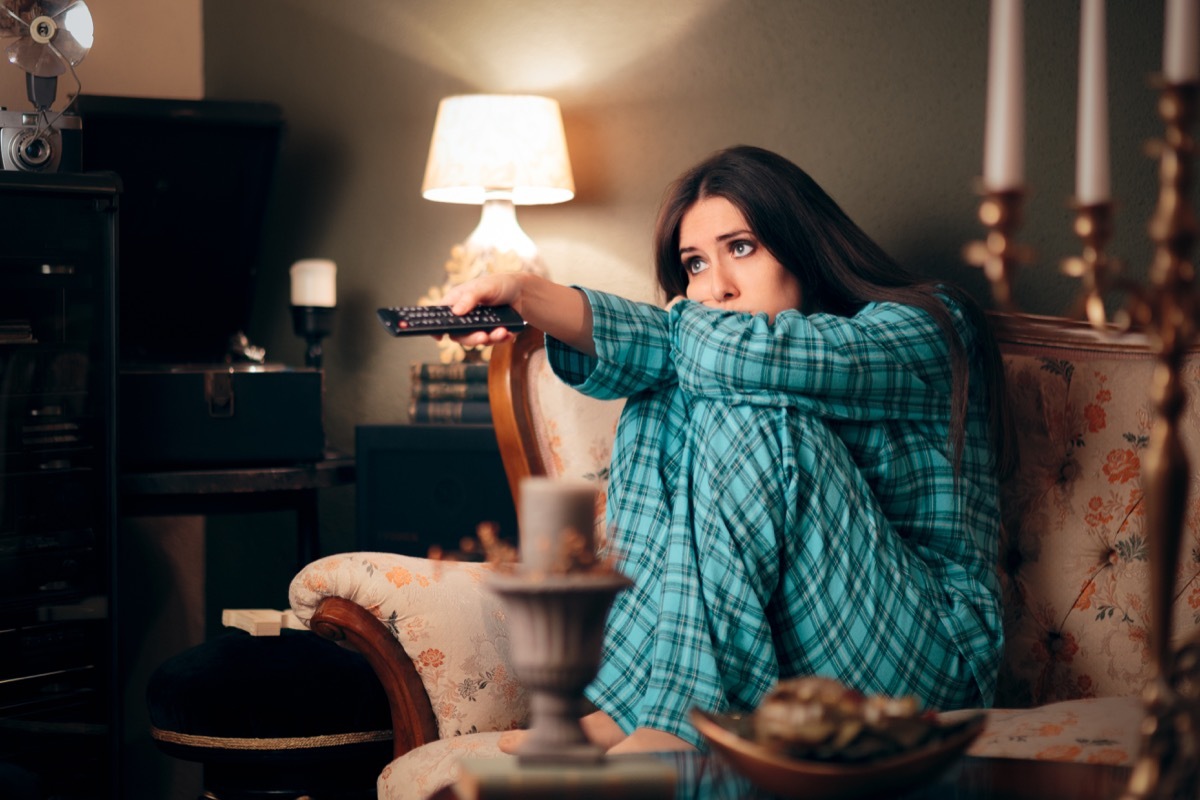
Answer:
(557, 627)
(1098, 274)
(1167, 309)
(557, 597)
(312, 323)
(999, 255)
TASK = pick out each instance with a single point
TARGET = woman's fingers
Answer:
(483, 338)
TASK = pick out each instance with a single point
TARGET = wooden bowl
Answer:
(730, 735)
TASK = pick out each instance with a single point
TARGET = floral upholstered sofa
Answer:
(1073, 563)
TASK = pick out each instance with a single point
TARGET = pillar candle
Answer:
(1181, 41)
(314, 283)
(1092, 179)
(1004, 137)
(550, 508)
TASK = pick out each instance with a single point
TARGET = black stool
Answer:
(276, 717)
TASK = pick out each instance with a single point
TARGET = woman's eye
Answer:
(742, 248)
(694, 266)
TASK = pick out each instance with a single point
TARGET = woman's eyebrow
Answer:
(732, 234)
(724, 237)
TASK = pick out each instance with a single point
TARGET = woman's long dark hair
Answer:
(839, 267)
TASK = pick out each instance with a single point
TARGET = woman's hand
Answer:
(561, 311)
(494, 289)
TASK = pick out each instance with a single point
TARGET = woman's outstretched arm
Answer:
(560, 311)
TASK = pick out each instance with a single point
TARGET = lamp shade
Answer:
(489, 144)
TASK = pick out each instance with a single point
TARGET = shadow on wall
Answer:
(310, 182)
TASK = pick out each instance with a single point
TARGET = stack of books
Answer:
(16, 331)
(450, 393)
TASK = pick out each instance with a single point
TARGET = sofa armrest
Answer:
(413, 721)
(448, 630)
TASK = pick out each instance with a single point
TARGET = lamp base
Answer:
(496, 245)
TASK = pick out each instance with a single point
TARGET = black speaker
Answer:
(421, 486)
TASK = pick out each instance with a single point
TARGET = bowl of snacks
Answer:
(815, 738)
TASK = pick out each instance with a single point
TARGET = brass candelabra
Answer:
(1166, 308)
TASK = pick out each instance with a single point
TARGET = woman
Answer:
(804, 478)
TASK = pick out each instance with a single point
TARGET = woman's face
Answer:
(727, 267)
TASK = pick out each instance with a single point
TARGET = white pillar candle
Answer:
(1181, 41)
(1004, 136)
(314, 283)
(552, 513)
(1092, 179)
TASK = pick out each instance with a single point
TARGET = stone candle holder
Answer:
(557, 600)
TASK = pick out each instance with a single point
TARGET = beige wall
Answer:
(881, 100)
(143, 48)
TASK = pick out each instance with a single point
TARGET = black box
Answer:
(426, 485)
(220, 414)
(197, 178)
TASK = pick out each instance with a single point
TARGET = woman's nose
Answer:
(723, 286)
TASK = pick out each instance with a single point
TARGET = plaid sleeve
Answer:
(633, 350)
(890, 361)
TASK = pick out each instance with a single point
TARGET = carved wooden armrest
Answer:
(413, 722)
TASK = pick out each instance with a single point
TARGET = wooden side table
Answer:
(426, 484)
(240, 489)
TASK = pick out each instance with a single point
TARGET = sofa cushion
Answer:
(421, 772)
(1074, 565)
(1095, 731)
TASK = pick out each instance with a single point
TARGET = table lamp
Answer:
(497, 151)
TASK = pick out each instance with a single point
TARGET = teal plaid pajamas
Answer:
(784, 499)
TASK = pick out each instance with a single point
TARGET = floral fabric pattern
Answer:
(1075, 565)
(1095, 731)
(450, 624)
(575, 433)
(421, 772)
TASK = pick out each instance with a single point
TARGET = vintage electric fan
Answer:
(45, 38)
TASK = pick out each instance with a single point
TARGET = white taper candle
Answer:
(1181, 41)
(1092, 169)
(1004, 136)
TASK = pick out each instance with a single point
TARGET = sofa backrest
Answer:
(1074, 552)
(574, 433)
(1073, 557)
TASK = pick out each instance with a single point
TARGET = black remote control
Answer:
(436, 320)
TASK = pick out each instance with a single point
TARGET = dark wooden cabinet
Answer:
(421, 486)
(58, 702)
